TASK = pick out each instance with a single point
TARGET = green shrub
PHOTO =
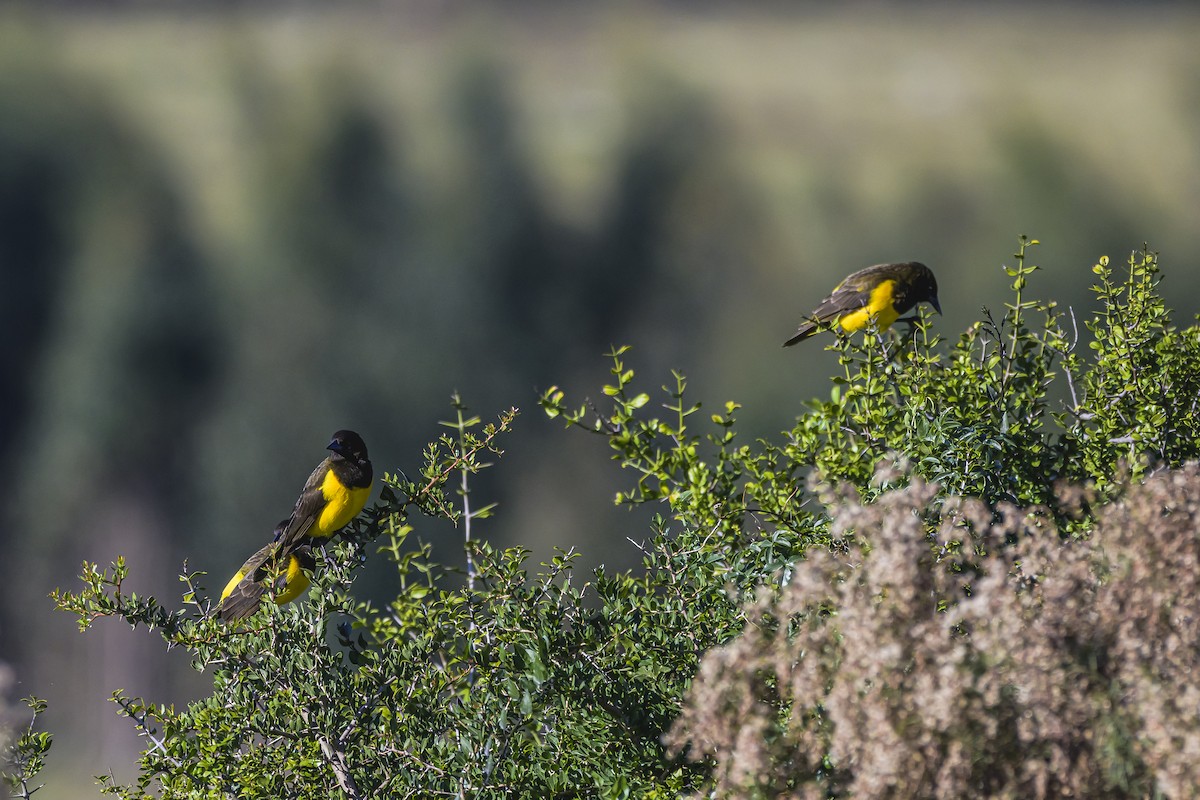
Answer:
(869, 629)
(23, 755)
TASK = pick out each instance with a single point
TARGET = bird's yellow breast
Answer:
(879, 306)
(342, 504)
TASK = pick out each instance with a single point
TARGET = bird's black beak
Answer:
(335, 446)
(936, 307)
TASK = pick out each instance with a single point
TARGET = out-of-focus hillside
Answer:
(225, 234)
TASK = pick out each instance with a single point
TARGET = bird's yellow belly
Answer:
(879, 306)
(294, 579)
(295, 583)
(342, 504)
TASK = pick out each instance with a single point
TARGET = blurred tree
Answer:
(32, 245)
(1057, 187)
(555, 294)
(113, 350)
(669, 141)
(505, 235)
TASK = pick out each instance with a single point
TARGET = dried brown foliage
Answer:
(952, 650)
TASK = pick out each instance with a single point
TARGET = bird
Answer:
(243, 594)
(883, 292)
(334, 494)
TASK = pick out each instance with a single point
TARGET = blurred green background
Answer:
(225, 233)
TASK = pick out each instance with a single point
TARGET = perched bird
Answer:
(882, 292)
(243, 593)
(332, 496)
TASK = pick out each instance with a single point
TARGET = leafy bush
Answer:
(931, 630)
(22, 755)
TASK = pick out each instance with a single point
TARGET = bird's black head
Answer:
(925, 285)
(349, 444)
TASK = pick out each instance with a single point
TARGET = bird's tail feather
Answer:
(242, 601)
(805, 330)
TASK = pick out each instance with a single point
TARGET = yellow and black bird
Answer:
(883, 292)
(244, 592)
(332, 496)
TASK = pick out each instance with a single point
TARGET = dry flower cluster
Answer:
(951, 650)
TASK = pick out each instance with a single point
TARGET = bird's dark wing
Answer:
(309, 505)
(846, 297)
(851, 294)
(246, 596)
(242, 601)
(843, 300)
